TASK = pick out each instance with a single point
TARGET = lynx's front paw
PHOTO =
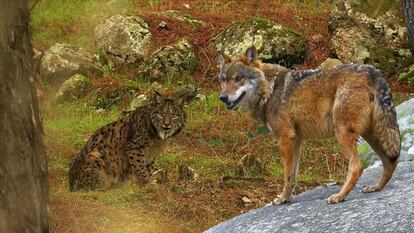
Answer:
(336, 198)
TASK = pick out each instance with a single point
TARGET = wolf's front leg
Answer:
(289, 146)
(137, 165)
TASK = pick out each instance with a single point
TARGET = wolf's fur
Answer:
(346, 102)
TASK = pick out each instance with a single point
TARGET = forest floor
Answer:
(213, 141)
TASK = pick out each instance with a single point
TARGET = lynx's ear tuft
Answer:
(157, 98)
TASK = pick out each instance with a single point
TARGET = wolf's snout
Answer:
(224, 98)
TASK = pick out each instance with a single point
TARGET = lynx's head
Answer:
(167, 115)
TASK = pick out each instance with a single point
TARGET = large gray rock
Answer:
(170, 62)
(275, 43)
(123, 39)
(390, 210)
(61, 61)
(379, 40)
(73, 88)
(405, 119)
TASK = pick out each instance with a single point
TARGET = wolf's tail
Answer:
(385, 131)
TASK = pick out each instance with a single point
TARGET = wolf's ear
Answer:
(222, 59)
(251, 55)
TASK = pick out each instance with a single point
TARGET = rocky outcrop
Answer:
(61, 61)
(405, 118)
(390, 210)
(330, 63)
(73, 88)
(174, 61)
(275, 43)
(356, 37)
(123, 39)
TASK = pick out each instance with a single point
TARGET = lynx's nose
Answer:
(166, 127)
(224, 98)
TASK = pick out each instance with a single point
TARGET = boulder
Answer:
(330, 63)
(123, 39)
(275, 43)
(390, 210)
(407, 77)
(113, 94)
(405, 118)
(174, 61)
(377, 40)
(61, 61)
(73, 88)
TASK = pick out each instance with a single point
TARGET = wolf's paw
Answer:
(281, 200)
(371, 188)
(336, 198)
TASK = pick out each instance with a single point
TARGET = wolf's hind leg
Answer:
(388, 163)
(347, 141)
(289, 146)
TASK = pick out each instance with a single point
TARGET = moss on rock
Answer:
(173, 62)
(407, 77)
(123, 39)
(73, 88)
(275, 43)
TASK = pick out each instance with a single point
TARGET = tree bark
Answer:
(408, 6)
(23, 165)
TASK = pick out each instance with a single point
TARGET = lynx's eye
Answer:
(159, 116)
(175, 117)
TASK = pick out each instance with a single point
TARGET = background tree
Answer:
(408, 6)
(23, 166)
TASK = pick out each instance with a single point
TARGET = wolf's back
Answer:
(384, 117)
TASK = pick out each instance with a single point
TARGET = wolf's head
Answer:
(242, 81)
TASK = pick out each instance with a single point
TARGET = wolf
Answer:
(346, 102)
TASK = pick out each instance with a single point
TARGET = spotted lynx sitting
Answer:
(129, 145)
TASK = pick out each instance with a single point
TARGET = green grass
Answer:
(72, 21)
(74, 122)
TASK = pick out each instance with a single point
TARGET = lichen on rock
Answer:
(379, 40)
(61, 61)
(330, 63)
(123, 39)
(175, 61)
(407, 77)
(275, 43)
(73, 88)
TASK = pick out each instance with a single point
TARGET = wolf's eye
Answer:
(238, 78)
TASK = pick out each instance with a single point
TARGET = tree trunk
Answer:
(408, 6)
(23, 165)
